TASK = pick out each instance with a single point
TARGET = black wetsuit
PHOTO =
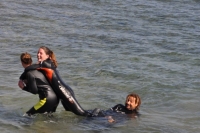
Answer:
(62, 90)
(122, 109)
(119, 108)
(38, 84)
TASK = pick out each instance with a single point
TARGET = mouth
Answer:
(39, 59)
(128, 106)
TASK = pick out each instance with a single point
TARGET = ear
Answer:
(136, 104)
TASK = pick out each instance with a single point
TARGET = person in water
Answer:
(47, 64)
(63, 91)
(45, 54)
(36, 83)
(131, 108)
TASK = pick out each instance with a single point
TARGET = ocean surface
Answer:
(105, 49)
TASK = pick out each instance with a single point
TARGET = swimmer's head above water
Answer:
(132, 102)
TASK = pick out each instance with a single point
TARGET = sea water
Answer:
(105, 50)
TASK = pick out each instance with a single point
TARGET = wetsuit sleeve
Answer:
(23, 76)
(117, 107)
(31, 85)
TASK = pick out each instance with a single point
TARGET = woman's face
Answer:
(41, 55)
(130, 103)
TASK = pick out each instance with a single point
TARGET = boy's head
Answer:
(26, 59)
(133, 102)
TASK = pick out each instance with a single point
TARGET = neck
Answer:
(26, 65)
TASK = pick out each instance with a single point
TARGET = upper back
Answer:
(39, 77)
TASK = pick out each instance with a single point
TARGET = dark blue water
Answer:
(105, 50)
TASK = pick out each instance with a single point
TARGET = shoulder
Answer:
(32, 67)
(29, 68)
(117, 107)
(30, 72)
(48, 64)
(34, 73)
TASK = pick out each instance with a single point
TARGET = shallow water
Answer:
(105, 50)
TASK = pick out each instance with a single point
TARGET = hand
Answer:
(110, 119)
(21, 84)
(25, 82)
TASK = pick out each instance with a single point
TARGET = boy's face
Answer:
(130, 103)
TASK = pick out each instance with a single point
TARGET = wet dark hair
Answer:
(26, 58)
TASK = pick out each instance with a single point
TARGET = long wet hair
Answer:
(26, 58)
(137, 100)
(51, 55)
